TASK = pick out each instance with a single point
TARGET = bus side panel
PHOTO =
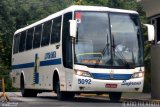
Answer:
(22, 64)
(47, 59)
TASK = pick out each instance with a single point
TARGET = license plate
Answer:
(111, 86)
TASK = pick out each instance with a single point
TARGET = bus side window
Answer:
(37, 36)
(56, 30)
(16, 43)
(46, 33)
(22, 41)
(29, 39)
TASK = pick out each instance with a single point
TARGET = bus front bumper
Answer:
(86, 84)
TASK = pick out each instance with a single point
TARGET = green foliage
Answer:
(28, 11)
(4, 73)
(15, 14)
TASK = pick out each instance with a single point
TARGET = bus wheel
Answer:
(115, 96)
(22, 87)
(26, 92)
(60, 95)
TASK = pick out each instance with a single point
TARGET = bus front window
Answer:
(93, 41)
(127, 40)
(102, 42)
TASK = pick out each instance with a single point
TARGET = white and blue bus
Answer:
(81, 49)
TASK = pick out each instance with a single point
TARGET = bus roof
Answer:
(76, 8)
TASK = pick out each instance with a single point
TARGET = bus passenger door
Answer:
(67, 50)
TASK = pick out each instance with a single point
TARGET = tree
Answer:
(7, 28)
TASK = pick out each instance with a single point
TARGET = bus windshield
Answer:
(108, 39)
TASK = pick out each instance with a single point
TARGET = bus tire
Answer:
(26, 92)
(22, 87)
(115, 96)
(60, 95)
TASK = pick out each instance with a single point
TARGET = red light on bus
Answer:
(78, 15)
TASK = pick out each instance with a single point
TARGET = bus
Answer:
(81, 49)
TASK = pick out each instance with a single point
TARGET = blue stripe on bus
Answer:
(50, 62)
(105, 76)
(42, 63)
(26, 65)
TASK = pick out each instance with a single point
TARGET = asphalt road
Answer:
(50, 100)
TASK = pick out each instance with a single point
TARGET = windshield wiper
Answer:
(123, 59)
(103, 52)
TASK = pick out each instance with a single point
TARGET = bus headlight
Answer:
(138, 75)
(82, 73)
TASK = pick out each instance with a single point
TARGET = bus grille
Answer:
(105, 76)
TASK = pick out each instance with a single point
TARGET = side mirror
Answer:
(151, 32)
(73, 28)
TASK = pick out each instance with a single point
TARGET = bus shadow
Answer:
(81, 99)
